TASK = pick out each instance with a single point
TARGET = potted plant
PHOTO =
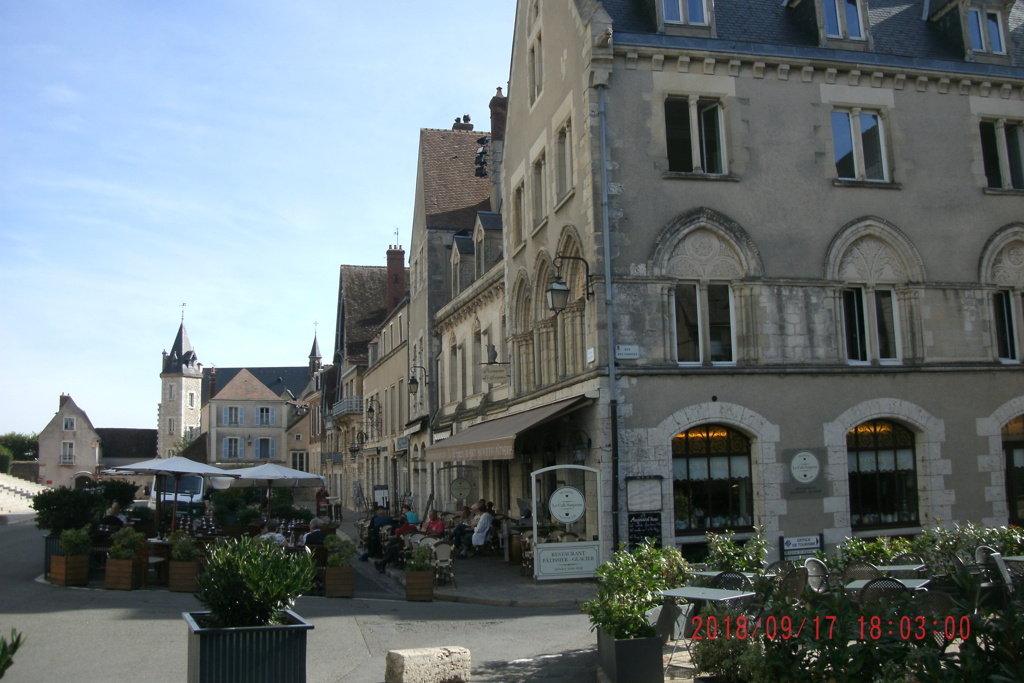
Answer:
(629, 586)
(183, 569)
(419, 574)
(339, 574)
(71, 567)
(249, 632)
(64, 508)
(125, 566)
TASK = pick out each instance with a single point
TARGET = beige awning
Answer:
(496, 439)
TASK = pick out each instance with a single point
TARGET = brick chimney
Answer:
(499, 112)
(462, 123)
(213, 382)
(397, 286)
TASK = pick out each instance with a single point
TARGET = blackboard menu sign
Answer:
(644, 525)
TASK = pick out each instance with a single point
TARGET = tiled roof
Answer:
(278, 380)
(245, 387)
(361, 310)
(451, 191)
(132, 444)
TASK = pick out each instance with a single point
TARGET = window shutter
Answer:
(273, 443)
(273, 416)
(224, 416)
(241, 415)
(224, 447)
(241, 448)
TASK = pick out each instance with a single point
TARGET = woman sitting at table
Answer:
(270, 533)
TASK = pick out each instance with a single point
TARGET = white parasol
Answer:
(272, 473)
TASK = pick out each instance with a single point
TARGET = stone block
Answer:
(428, 665)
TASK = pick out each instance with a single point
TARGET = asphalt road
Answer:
(84, 635)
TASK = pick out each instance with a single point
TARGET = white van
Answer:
(191, 488)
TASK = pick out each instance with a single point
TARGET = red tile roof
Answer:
(451, 191)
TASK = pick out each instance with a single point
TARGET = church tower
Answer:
(181, 379)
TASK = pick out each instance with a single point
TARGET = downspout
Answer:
(613, 391)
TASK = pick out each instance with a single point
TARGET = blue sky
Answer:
(229, 155)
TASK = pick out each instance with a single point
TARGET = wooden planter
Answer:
(182, 577)
(254, 654)
(339, 582)
(69, 570)
(631, 660)
(123, 575)
(419, 586)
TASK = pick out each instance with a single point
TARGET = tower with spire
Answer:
(181, 378)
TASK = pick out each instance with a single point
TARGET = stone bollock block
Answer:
(428, 665)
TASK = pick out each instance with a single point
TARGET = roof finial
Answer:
(183, 311)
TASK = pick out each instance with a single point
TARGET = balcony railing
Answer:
(352, 405)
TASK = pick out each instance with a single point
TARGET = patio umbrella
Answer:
(177, 467)
(272, 473)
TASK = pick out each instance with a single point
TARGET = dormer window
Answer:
(843, 19)
(986, 31)
(693, 12)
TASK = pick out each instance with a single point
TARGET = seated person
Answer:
(409, 515)
(464, 526)
(394, 549)
(373, 547)
(315, 535)
(472, 542)
(434, 526)
(270, 533)
(110, 517)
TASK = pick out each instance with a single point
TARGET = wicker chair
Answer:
(444, 563)
(884, 591)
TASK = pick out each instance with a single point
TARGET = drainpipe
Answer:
(613, 391)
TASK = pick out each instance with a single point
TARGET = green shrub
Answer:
(247, 515)
(725, 554)
(630, 584)
(249, 582)
(183, 547)
(142, 513)
(120, 492)
(64, 508)
(421, 559)
(339, 552)
(722, 654)
(76, 541)
(226, 503)
(7, 650)
(125, 543)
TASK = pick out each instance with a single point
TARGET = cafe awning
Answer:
(496, 439)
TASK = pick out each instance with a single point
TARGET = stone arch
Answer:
(992, 461)
(1002, 258)
(872, 250)
(521, 305)
(704, 244)
(766, 471)
(935, 499)
(542, 274)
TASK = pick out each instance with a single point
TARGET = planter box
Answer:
(632, 660)
(123, 575)
(69, 570)
(339, 582)
(253, 654)
(182, 577)
(419, 586)
(51, 547)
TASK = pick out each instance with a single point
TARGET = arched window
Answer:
(1013, 445)
(711, 480)
(883, 475)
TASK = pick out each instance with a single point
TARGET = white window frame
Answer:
(842, 19)
(682, 11)
(1005, 303)
(69, 421)
(700, 152)
(867, 324)
(300, 461)
(535, 67)
(234, 447)
(854, 128)
(705, 342)
(1008, 137)
(979, 34)
(265, 416)
(67, 452)
(233, 416)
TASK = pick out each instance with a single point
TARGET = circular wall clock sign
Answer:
(804, 467)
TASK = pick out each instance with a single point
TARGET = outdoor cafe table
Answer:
(1014, 558)
(892, 568)
(749, 575)
(699, 594)
(912, 584)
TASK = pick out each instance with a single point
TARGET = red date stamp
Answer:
(828, 627)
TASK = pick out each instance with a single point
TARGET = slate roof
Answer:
(245, 387)
(277, 379)
(464, 243)
(899, 34)
(130, 444)
(362, 295)
(182, 357)
(451, 191)
(489, 220)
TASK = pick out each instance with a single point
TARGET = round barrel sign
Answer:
(566, 505)
(461, 488)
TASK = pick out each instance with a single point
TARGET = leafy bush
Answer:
(125, 543)
(249, 582)
(120, 492)
(142, 513)
(76, 541)
(421, 559)
(629, 585)
(5, 459)
(64, 508)
(7, 650)
(226, 503)
(247, 515)
(725, 554)
(183, 547)
(339, 552)
(726, 656)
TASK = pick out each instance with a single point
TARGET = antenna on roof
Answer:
(183, 311)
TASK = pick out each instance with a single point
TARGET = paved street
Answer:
(91, 634)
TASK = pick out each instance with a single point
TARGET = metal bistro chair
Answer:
(936, 607)
(444, 563)
(858, 569)
(982, 553)
(319, 554)
(907, 558)
(884, 591)
(817, 576)
(793, 585)
(734, 581)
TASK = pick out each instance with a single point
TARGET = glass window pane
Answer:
(1018, 457)
(974, 26)
(711, 157)
(687, 325)
(740, 465)
(905, 460)
(867, 462)
(672, 11)
(995, 36)
(677, 133)
(1005, 343)
(871, 144)
(719, 323)
(695, 9)
(885, 320)
(842, 142)
(886, 461)
(853, 320)
(698, 469)
(990, 154)
(832, 19)
(719, 467)
(679, 469)
(1015, 152)
(853, 19)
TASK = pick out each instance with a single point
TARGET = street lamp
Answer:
(371, 412)
(414, 384)
(357, 444)
(558, 291)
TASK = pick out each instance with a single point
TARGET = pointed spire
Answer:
(182, 357)
(314, 357)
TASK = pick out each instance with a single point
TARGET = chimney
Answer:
(213, 382)
(63, 399)
(397, 287)
(499, 112)
(462, 124)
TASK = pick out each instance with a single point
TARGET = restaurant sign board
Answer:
(576, 560)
